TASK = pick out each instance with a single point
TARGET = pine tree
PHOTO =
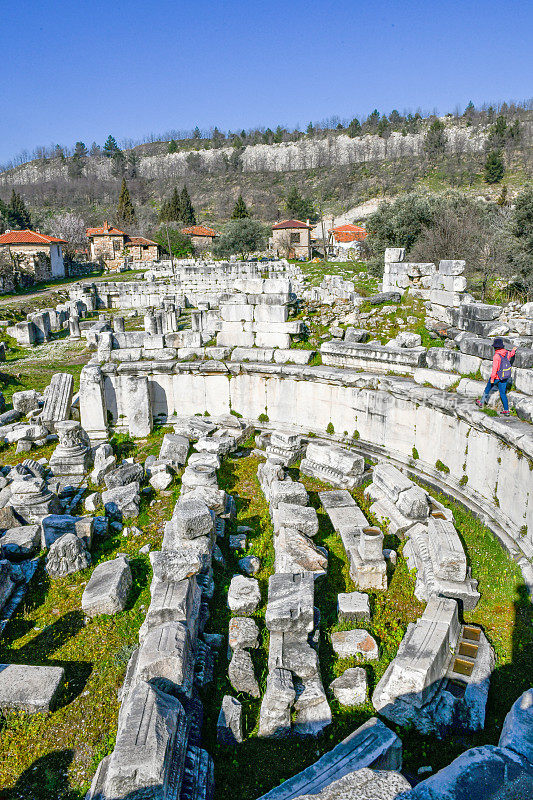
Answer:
(125, 209)
(240, 211)
(171, 209)
(80, 151)
(435, 139)
(354, 128)
(299, 207)
(18, 215)
(111, 147)
(173, 146)
(187, 212)
(494, 168)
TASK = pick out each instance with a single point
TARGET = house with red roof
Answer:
(112, 244)
(346, 238)
(34, 253)
(291, 238)
(201, 236)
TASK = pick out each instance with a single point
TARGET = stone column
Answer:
(105, 345)
(138, 405)
(58, 399)
(118, 324)
(150, 324)
(74, 327)
(93, 410)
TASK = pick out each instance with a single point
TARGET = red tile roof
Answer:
(139, 240)
(289, 223)
(28, 237)
(105, 230)
(199, 230)
(349, 233)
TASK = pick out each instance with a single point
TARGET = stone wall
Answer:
(484, 462)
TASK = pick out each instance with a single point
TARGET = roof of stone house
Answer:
(199, 230)
(139, 240)
(28, 237)
(105, 230)
(290, 223)
(349, 233)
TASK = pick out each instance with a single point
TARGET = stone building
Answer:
(35, 253)
(140, 249)
(291, 238)
(106, 242)
(346, 239)
(112, 244)
(201, 236)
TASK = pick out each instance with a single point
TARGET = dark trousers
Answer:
(502, 387)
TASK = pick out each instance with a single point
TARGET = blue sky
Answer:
(82, 70)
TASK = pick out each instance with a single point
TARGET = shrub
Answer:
(330, 429)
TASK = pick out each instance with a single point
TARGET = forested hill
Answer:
(337, 167)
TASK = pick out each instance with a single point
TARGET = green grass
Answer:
(48, 629)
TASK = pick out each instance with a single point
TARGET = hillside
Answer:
(334, 169)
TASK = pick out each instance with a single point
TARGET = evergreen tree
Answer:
(187, 212)
(299, 207)
(173, 146)
(240, 211)
(111, 147)
(171, 209)
(498, 133)
(494, 168)
(196, 134)
(354, 128)
(372, 120)
(18, 215)
(125, 209)
(435, 139)
(80, 151)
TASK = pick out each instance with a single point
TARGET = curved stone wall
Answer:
(483, 461)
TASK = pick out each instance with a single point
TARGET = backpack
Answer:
(504, 370)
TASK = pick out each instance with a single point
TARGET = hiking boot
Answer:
(506, 413)
(479, 403)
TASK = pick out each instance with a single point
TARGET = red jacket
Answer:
(497, 359)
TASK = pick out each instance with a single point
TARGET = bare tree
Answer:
(70, 227)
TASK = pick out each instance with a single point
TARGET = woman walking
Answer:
(500, 375)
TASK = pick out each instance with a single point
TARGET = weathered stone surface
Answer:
(124, 475)
(160, 479)
(333, 464)
(250, 565)
(72, 456)
(350, 688)
(241, 673)
(517, 731)
(174, 449)
(165, 657)
(176, 565)
(293, 651)
(191, 518)
(149, 755)
(371, 745)
(124, 501)
(25, 401)
(104, 462)
(300, 518)
(353, 606)
(229, 723)
(21, 542)
(296, 553)
(28, 688)
(243, 595)
(67, 554)
(56, 525)
(275, 715)
(311, 709)
(243, 632)
(287, 492)
(58, 399)
(7, 582)
(364, 784)
(173, 601)
(355, 643)
(108, 588)
(9, 518)
(290, 603)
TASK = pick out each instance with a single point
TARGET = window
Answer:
(295, 238)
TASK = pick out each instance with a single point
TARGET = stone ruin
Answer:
(395, 429)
